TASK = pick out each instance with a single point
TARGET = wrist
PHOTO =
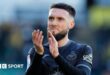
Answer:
(56, 55)
(39, 52)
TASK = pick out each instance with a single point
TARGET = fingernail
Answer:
(37, 30)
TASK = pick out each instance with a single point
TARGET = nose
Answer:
(54, 22)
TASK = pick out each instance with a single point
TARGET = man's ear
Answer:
(72, 24)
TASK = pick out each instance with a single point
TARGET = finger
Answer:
(33, 35)
(41, 40)
(51, 35)
(36, 34)
(50, 43)
(39, 36)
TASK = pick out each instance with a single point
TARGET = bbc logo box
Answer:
(3, 66)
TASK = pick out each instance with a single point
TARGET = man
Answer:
(60, 56)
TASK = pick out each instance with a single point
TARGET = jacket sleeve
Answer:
(83, 67)
(34, 64)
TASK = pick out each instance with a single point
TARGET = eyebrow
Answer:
(51, 17)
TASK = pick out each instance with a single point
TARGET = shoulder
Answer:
(87, 49)
(80, 46)
(87, 54)
(31, 51)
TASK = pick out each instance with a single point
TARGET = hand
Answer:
(37, 39)
(53, 45)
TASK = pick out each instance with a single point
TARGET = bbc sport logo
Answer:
(10, 66)
(3, 66)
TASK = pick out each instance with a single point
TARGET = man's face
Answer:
(58, 22)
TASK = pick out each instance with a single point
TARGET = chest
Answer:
(70, 56)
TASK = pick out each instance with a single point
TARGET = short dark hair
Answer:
(66, 7)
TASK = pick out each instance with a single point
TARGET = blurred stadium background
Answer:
(18, 18)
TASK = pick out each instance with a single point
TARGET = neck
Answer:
(63, 41)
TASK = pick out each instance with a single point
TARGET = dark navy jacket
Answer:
(74, 59)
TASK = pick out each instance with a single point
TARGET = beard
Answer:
(59, 36)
